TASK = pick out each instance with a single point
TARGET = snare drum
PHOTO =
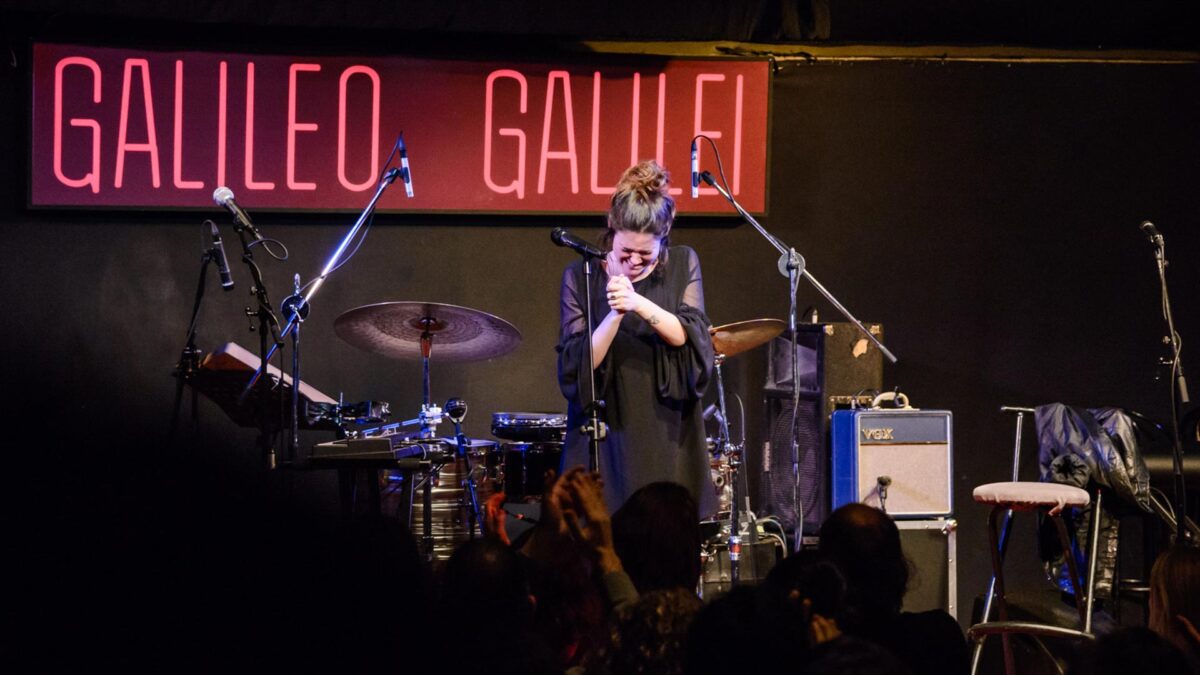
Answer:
(525, 466)
(529, 427)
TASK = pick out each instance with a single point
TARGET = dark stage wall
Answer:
(986, 213)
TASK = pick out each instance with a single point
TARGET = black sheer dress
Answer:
(652, 390)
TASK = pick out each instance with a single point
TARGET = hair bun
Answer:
(646, 178)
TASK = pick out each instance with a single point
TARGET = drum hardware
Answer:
(340, 414)
(408, 330)
(456, 410)
(729, 340)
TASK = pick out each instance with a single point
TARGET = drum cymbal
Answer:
(394, 329)
(735, 338)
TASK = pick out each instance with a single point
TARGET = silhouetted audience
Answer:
(1129, 651)
(865, 545)
(657, 537)
(648, 635)
(487, 613)
(1175, 600)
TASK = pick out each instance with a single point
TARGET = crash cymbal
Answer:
(735, 338)
(395, 329)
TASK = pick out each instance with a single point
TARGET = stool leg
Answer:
(998, 575)
(1072, 568)
(1093, 550)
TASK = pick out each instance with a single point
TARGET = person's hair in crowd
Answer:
(1175, 599)
(865, 545)
(648, 636)
(642, 204)
(1129, 650)
(656, 533)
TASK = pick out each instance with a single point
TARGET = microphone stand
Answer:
(795, 270)
(189, 358)
(1179, 394)
(268, 323)
(301, 305)
(593, 427)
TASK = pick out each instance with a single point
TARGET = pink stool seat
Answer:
(1027, 495)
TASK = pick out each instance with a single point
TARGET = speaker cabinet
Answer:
(932, 548)
(837, 365)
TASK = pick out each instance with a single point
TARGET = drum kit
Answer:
(456, 473)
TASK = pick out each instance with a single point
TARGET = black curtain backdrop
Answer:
(986, 213)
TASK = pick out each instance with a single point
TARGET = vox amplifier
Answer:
(899, 460)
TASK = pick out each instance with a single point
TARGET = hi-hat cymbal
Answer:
(395, 329)
(735, 338)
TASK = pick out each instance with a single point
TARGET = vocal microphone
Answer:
(1152, 233)
(695, 171)
(563, 238)
(223, 196)
(218, 255)
(404, 172)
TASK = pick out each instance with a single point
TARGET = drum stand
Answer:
(733, 452)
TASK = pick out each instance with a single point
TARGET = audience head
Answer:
(656, 534)
(865, 545)
(485, 576)
(1129, 650)
(807, 575)
(1175, 598)
(648, 636)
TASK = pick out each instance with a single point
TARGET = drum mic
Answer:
(218, 256)
(456, 410)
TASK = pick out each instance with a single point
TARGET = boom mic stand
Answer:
(300, 306)
(793, 263)
(1178, 385)
(189, 358)
(268, 323)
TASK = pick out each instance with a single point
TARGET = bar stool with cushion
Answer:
(1031, 496)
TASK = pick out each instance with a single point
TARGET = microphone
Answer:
(1152, 233)
(223, 196)
(404, 172)
(563, 238)
(695, 171)
(456, 410)
(218, 255)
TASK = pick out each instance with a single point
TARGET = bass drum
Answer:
(529, 427)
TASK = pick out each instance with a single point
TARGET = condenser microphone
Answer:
(223, 196)
(1152, 233)
(563, 238)
(695, 171)
(404, 172)
(218, 255)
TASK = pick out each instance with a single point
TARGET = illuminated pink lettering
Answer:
(517, 185)
(595, 186)
(569, 116)
(250, 182)
(92, 178)
(662, 121)
(698, 127)
(151, 144)
(222, 117)
(177, 174)
(341, 142)
(635, 117)
(293, 126)
(737, 136)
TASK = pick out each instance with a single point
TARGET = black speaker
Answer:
(837, 364)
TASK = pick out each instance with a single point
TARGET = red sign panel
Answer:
(133, 128)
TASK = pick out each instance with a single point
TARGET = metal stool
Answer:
(1017, 495)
